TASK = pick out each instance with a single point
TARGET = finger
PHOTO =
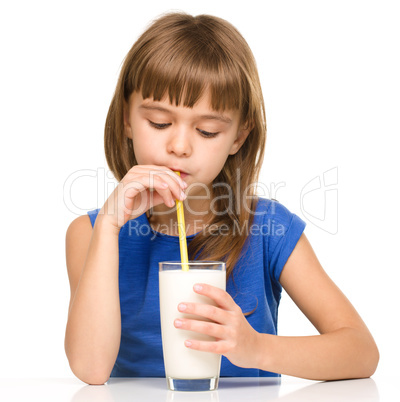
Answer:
(167, 193)
(130, 189)
(173, 185)
(161, 170)
(174, 176)
(142, 182)
(220, 296)
(202, 327)
(218, 347)
(208, 311)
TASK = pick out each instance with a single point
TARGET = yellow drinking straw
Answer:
(182, 233)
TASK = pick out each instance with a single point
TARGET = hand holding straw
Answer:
(182, 234)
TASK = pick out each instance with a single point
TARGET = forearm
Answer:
(345, 353)
(94, 321)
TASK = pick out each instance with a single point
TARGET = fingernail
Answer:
(183, 195)
(178, 323)
(198, 288)
(182, 307)
(185, 185)
(188, 343)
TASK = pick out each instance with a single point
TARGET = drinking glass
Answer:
(187, 369)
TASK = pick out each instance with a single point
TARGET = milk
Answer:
(176, 286)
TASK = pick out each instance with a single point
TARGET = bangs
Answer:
(183, 66)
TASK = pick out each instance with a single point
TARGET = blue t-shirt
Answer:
(254, 284)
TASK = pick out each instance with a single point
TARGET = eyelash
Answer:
(162, 126)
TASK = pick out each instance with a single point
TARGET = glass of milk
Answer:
(186, 369)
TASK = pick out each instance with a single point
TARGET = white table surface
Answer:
(290, 389)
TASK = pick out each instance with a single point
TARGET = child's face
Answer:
(195, 140)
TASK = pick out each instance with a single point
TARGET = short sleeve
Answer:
(93, 215)
(285, 229)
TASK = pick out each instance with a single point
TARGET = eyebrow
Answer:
(214, 116)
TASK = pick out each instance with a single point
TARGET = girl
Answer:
(188, 99)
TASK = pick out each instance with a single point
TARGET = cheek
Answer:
(215, 160)
(144, 153)
(219, 152)
(142, 144)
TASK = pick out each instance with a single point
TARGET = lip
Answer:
(183, 174)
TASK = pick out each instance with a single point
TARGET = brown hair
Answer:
(182, 55)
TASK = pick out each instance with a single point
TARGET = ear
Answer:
(243, 133)
(127, 123)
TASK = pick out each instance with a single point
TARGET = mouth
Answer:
(182, 173)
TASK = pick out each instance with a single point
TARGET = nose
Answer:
(179, 143)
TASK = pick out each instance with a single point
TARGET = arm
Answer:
(93, 330)
(345, 348)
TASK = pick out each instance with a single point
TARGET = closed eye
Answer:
(159, 126)
(207, 133)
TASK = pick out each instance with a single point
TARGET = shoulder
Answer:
(276, 216)
(79, 226)
(270, 210)
(280, 230)
(77, 239)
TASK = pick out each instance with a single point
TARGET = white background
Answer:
(330, 75)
